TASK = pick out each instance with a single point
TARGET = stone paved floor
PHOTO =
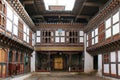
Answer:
(64, 76)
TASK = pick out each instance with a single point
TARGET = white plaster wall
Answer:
(88, 59)
(99, 65)
(33, 62)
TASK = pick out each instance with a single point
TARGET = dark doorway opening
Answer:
(95, 62)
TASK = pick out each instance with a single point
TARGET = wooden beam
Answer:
(83, 16)
(92, 4)
(39, 48)
(28, 2)
(80, 10)
(40, 6)
(79, 16)
(53, 15)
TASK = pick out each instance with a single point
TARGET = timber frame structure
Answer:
(60, 39)
(14, 52)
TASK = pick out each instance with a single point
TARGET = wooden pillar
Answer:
(7, 66)
(24, 62)
(29, 61)
(49, 65)
(70, 59)
(23, 69)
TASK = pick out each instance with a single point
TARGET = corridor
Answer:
(64, 76)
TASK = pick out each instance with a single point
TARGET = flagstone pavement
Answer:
(64, 76)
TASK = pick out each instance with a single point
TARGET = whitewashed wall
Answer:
(99, 65)
(33, 62)
(88, 59)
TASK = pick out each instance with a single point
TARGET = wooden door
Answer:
(58, 63)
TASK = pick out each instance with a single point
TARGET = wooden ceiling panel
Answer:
(82, 12)
(89, 10)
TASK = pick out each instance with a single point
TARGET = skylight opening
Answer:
(57, 5)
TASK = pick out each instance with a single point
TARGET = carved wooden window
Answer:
(26, 33)
(113, 62)
(9, 25)
(38, 36)
(20, 31)
(116, 17)
(73, 37)
(12, 21)
(15, 25)
(9, 13)
(115, 22)
(57, 39)
(112, 25)
(93, 41)
(47, 36)
(15, 21)
(38, 33)
(118, 62)
(33, 39)
(60, 36)
(81, 36)
(9, 19)
(106, 63)
(116, 29)
(113, 56)
(108, 28)
(108, 33)
(95, 36)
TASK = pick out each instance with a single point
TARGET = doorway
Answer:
(95, 62)
(58, 63)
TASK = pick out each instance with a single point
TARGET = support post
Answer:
(49, 65)
(70, 62)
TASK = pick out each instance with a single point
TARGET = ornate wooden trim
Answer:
(103, 47)
(108, 8)
(60, 25)
(17, 6)
(60, 48)
(9, 42)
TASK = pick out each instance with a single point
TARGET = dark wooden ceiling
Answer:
(82, 12)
